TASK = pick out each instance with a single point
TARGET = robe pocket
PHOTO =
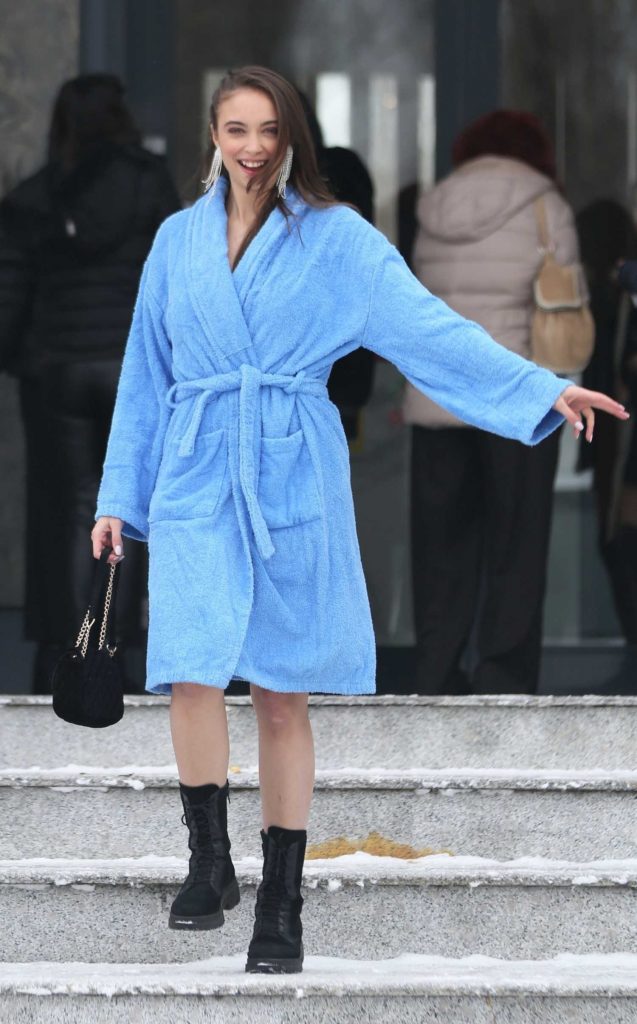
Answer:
(288, 492)
(189, 486)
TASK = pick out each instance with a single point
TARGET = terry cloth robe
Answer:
(227, 457)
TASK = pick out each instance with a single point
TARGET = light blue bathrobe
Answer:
(227, 456)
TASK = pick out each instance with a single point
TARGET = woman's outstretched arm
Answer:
(457, 364)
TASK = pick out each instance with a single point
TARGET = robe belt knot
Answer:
(248, 381)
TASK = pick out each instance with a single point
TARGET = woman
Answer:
(481, 504)
(73, 240)
(227, 456)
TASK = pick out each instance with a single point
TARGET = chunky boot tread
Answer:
(206, 922)
(272, 965)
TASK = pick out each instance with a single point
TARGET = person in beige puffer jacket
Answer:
(481, 504)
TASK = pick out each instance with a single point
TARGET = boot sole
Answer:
(274, 965)
(207, 922)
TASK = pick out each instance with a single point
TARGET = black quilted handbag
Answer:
(87, 681)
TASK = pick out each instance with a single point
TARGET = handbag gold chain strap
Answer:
(85, 628)
(83, 635)
(107, 604)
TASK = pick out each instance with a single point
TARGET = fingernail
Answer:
(579, 426)
(118, 549)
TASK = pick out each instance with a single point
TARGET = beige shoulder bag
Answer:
(562, 331)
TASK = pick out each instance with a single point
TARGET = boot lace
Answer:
(201, 844)
(272, 907)
(274, 902)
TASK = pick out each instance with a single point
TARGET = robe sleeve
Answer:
(454, 361)
(140, 419)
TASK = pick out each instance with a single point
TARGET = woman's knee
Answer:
(193, 693)
(279, 712)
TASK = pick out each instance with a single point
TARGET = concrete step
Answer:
(355, 732)
(411, 989)
(357, 906)
(581, 815)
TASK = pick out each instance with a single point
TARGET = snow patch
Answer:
(353, 869)
(447, 781)
(566, 974)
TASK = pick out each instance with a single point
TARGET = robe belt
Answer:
(248, 381)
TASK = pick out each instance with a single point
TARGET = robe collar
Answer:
(217, 293)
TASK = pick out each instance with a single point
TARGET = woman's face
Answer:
(247, 135)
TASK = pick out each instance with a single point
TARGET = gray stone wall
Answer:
(38, 50)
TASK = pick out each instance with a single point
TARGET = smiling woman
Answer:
(223, 426)
(256, 123)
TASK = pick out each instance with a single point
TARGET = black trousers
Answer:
(480, 527)
(67, 412)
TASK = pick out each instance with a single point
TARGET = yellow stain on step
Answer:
(379, 846)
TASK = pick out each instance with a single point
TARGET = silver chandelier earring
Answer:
(214, 174)
(284, 173)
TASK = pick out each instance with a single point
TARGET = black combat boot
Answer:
(276, 946)
(211, 886)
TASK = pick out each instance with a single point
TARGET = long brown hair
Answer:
(293, 130)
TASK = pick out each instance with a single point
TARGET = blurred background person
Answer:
(481, 504)
(73, 240)
(608, 237)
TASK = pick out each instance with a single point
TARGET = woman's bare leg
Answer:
(199, 727)
(286, 757)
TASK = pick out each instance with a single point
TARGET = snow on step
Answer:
(606, 975)
(410, 989)
(577, 815)
(480, 731)
(356, 869)
(443, 906)
(142, 777)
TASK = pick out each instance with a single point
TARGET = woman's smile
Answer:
(251, 166)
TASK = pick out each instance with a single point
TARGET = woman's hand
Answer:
(107, 533)
(575, 403)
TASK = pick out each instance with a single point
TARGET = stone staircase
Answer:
(526, 910)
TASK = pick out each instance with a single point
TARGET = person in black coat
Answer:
(73, 240)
